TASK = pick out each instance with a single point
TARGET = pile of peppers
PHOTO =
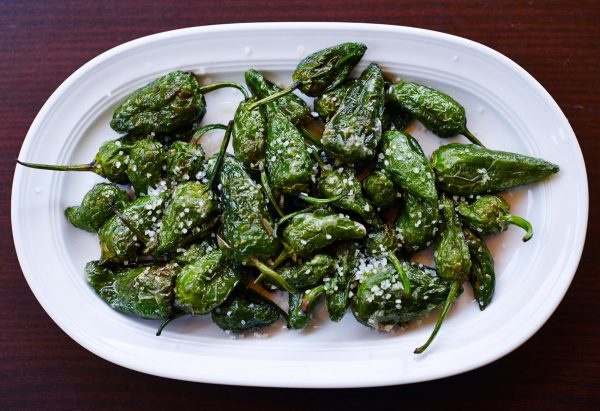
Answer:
(329, 203)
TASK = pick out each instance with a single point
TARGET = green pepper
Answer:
(490, 215)
(291, 105)
(452, 260)
(337, 287)
(466, 169)
(184, 161)
(380, 190)
(439, 112)
(405, 162)
(145, 166)
(95, 207)
(245, 311)
(328, 104)
(289, 164)
(143, 291)
(205, 284)
(354, 132)
(300, 306)
(118, 243)
(380, 301)
(482, 276)
(249, 135)
(309, 232)
(308, 273)
(417, 223)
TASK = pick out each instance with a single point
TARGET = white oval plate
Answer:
(507, 109)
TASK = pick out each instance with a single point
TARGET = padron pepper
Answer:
(96, 207)
(245, 311)
(146, 292)
(417, 223)
(354, 132)
(404, 161)
(482, 275)
(337, 287)
(380, 190)
(452, 260)
(490, 214)
(249, 138)
(467, 169)
(439, 112)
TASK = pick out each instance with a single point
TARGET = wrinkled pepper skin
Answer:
(96, 208)
(190, 212)
(118, 243)
(380, 190)
(452, 258)
(380, 301)
(291, 105)
(308, 232)
(245, 311)
(482, 276)
(309, 273)
(325, 69)
(337, 287)
(289, 164)
(184, 161)
(490, 214)
(167, 104)
(145, 167)
(249, 137)
(328, 104)
(466, 169)
(354, 132)
(245, 215)
(146, 292)
(417, 223)
(406, 164)
(205, 284)
(439, 112)
(335, 181)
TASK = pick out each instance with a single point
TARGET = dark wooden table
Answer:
(43, 42)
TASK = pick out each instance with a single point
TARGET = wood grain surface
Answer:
(43, 42)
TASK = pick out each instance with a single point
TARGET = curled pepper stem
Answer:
(221, 157)
(272, 274)
(264, 178)
(314, 200)
(391, 257)
(449, 300)
(198, 134)
(75, 167)
(167, 321)
(274, 96)
(521, 222)
(472, 138)
(130, 226)
(216, 86)
(310, 297)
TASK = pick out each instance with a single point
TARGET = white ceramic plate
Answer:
(507, 109)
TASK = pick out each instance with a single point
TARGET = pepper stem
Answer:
(216, 86)
(391, 257)
(75, 167)
(167, 321)
(221, 157)
(272, 274)
(449, 300)
(314, 200)
(274, 96)
(130, 226)
(264, 178)
(521, 222)
(472, 138)
(310, 297)
(205, 129)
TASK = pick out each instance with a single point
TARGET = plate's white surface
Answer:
(507, 109)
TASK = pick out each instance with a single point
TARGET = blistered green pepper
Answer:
(145, 166)
(143, 291)
(184, 161)
(245, 311)
(328, 104)
(439, 112)
(466, 169)
(491, 215)
(405, 162)
(417, 223)
(205, 284)
(301, 305)
(289, 164)
(308, 273)
(354, 132)
(380, 190)
(482, 276)
(452, 260)
(249, 135)
(309, 232)
(380, 301)
(95, 207)
(292, 106)
(337, 287)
